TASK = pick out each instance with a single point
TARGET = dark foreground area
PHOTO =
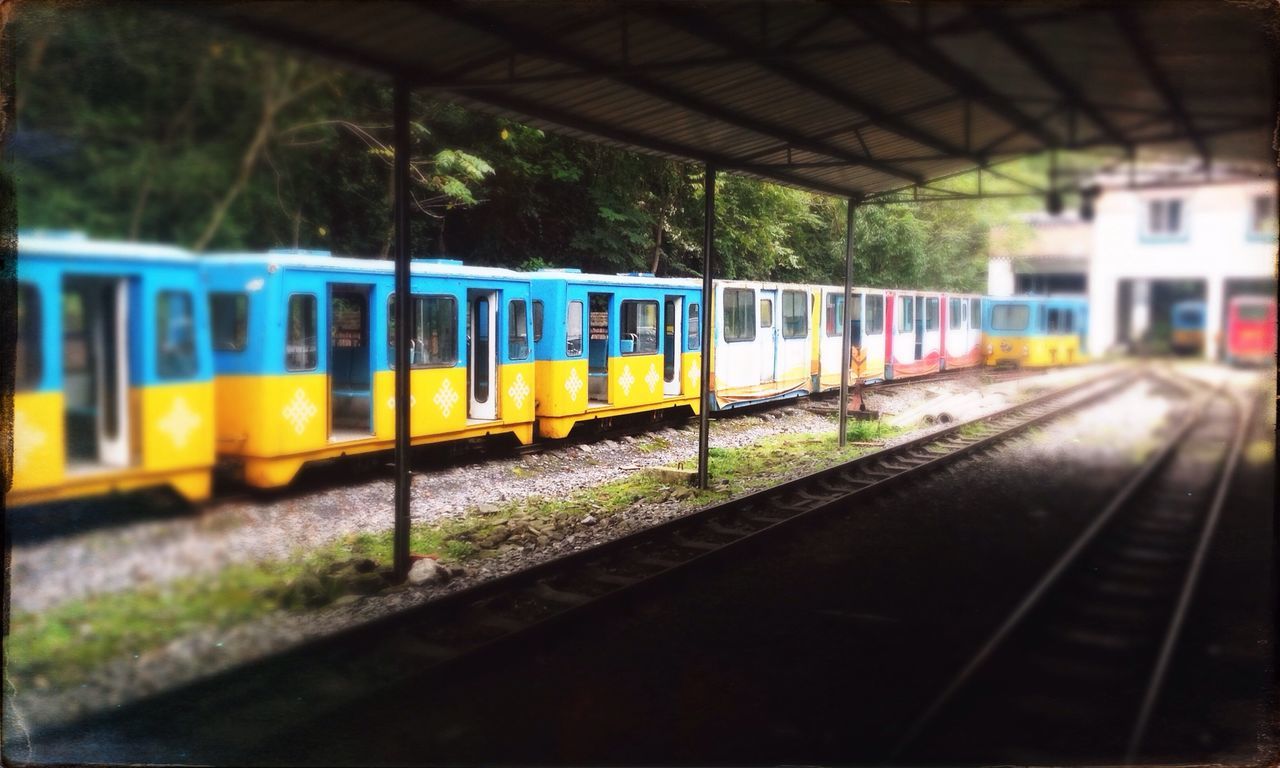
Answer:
(823, 644)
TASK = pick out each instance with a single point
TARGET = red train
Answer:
(1251, 330)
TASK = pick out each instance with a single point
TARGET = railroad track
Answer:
(446, 632)
(1075, 672)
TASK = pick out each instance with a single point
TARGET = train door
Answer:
(768, 336)
(598, 347)
(673, 312)
(350, 363)
(913, 320)
(95, 364)
(830, 356)
(737, 354)
(482, 354)
(794, 361)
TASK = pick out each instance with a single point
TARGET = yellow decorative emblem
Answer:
(446, 397)
(299, 411)
(573, 384)
(626, 380)
(179, 422)
(651, 378)
(519, 390)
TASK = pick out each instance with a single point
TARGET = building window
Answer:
(1263, 222)
(433, 331)
(639, 327)
(537, 320)
(230, 313)
(739, 314)
(175, 336)
(1164, 218)
(795, 314)
(573, 330)
(695, 337)
(28, 359)
(300, 345)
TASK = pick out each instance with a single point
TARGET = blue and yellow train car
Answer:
(613, 345)
(114, 378)
(1187, 326)
(1035, 331)
(303, 348)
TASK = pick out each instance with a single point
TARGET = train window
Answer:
(766, 313)
(906, 314)
(931, 306)
(874, 323)
(955, 318)
(1053, 322)
(433, 331)
(639, 327)
(28, 360)
(975, 312)
(835, 314)
(300, 344)
(739, 314)
(517, 330)
(1251, 312)
(175, 336)
(230, 313)
(695, 329)
(573, 330)
(537, 321)
(1068, 321)
(1010, 317)
(795, 314)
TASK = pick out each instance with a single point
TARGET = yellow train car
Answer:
(114, 377)
(1035, 331)
(613, 345)
(304, 353)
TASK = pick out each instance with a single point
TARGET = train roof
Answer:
(643, 280)
(77, 245)
(307, 260)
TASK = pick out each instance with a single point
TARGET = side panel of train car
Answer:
(1251, 330)
(1035, 331)
(867, 335)
(961, 331)
(612, 345)
(763, 345)
(113, 371)
(1187, 326)
(914, 343)
(304, 350)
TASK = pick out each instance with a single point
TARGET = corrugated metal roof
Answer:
(842, 99)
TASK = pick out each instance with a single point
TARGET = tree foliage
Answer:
(137, 124)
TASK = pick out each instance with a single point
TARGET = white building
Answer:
(1208, 241)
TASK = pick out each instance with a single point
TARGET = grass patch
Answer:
(58, 647)
(652, 445)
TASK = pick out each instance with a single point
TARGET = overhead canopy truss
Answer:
(854, 100)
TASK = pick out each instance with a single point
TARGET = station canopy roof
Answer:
(843, 99)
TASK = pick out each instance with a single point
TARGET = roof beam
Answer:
(531, 43)
(1013, 38)
(921, 53)
(1132, 32)
(698, 24)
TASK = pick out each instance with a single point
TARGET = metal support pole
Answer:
(846, 346)
(707, 328)
(400, 546)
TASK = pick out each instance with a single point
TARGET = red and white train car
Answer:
(1251, 330)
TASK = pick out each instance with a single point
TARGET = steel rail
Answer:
(1065, 561)
(1155, 683)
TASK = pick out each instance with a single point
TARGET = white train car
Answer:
(763, 348)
